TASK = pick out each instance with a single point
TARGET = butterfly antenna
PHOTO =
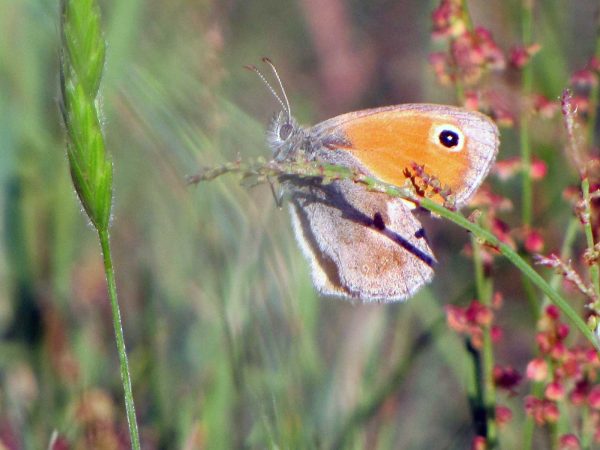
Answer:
(287, 102)
(262, 77)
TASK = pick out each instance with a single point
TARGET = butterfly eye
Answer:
(449, 137)
(285, 131)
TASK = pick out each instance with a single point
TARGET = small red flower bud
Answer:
(580, 392)
(594, 397)
(506, 377)
(537, 369)
(562, 331)
(550, 411)
(569, 442)
(503, 415)
(555, 391)
(534, 242)
(539, 169)
(552, 312)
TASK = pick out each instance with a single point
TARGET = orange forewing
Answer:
(387, 142)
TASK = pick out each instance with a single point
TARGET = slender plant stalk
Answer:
(484, 294)
(524, 137)
(116, 315)
(82, 63)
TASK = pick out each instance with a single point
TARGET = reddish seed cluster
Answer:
(471, 54)
(471, 321)
(569, 373)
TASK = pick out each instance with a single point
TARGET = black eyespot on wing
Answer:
(449, 138)
(378, 221)
(285, 131)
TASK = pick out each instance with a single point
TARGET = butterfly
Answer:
(366, 245)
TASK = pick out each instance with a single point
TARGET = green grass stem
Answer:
(117, 324)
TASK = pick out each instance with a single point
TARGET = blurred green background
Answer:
(229, 345)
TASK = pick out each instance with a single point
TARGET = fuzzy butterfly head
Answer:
(285, 136)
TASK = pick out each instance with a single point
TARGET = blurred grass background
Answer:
(229, 345)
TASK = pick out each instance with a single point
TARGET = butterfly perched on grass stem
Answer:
(367, 245)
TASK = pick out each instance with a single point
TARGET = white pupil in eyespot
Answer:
(449, 138)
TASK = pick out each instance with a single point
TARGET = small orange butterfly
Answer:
(367, 245)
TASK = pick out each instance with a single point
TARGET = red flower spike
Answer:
(537, 369)
(569, 442)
